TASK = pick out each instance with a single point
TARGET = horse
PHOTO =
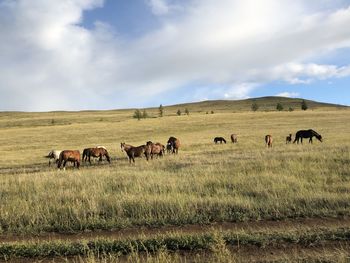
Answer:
(306, 134)
(133, 152)
(234, 138)
(155, 149)
(174, 143)
(162, 147)
(219, 139)
(169, 148)
(289, 139)
(268, 140)
(54, 154)
(69, 156)
(96, 152)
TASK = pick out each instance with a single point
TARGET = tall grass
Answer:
(204, 183)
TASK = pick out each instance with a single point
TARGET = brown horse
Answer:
(69, 156)
(133, 152)
(268, 140)
(97, 152)
(157, 149)
(219, 139)
(306, 134)
(289, 139)
(174, 144)
(234, 138)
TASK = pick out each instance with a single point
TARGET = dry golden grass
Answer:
(204, 183)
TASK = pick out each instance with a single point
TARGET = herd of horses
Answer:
(151, 150)
(268, 138)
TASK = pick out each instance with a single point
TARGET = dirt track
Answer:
(289, 224)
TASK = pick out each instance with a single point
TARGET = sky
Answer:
(113, 54)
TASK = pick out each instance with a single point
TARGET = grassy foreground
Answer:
(216, 242)
(204, 183)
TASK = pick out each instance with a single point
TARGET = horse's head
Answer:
(149, 143)
(122, 145)
(319, 137)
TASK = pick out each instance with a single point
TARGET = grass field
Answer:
(204, 184)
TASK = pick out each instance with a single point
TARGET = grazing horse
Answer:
(268, 140)
(169, 148)
(219, 139)
(306, 134)
(174, 144)
(289, 139)
(155, 149)
(97, 152)
(234, 138)
(69, 156)
(54, 154)
(133, 152)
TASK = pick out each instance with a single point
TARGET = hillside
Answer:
(36, 119)
(242, 197)
(264, 103)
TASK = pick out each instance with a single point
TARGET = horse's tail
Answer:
(60, 159)
(297, 135)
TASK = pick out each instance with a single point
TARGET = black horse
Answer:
(306, 134)
(219, 139)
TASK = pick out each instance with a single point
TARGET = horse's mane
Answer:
(315, 133)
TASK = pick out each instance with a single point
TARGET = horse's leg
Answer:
(64, 163)
(310, 140)
(89, 158)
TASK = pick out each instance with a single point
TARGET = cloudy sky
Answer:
(95, 54)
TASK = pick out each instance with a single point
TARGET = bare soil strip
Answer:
(283, 225)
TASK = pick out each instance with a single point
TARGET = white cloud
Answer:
(288, 94)
(240, 91)
(49, 61)
(298, 73)
(161, 7)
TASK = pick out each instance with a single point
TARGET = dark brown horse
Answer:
(156, 149)
(133, 152)
(69, 156)
(174, 144)
(97, 152)
(234, 138)
(306, 134)
(219, 139)
(268, 141)
(289, 139)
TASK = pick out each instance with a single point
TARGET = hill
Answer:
(264, 103)
(36, 119)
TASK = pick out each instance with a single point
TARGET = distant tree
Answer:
(52, 122)
(255, 106)
(291, 109)
(207, 113)
(144, 114)
(187, 111)
(279, 107)
(212, 112)
(161, 110)
(137, 114)
(304, 105)
(178, 112)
